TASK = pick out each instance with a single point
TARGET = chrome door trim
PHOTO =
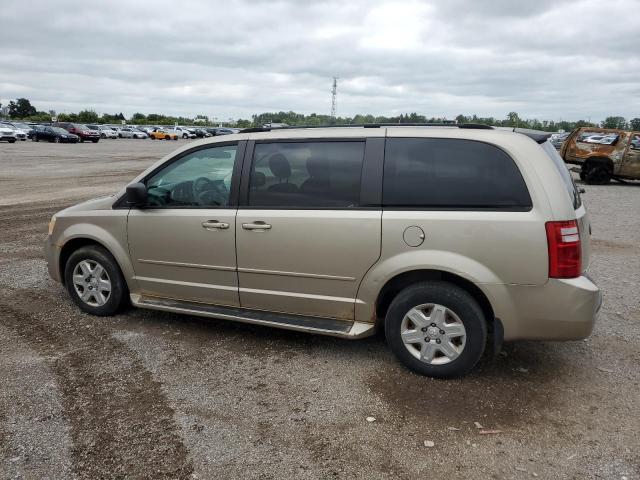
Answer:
(296, 274)
(187, 265)
(346, 300)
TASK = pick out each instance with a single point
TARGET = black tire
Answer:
(81, 140)
(56, 140)
(168, 137)
(34, 139)
(119, 295)
(95, 140)
(596, 174)
(12, 141)
(456, 300)
(185, 136)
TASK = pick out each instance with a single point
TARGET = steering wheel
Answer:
(208, 192)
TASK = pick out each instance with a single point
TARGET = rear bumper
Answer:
(561, 309)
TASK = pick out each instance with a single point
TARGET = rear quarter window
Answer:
(434, 173)
(569, 184)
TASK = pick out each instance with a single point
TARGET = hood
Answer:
(101, 203)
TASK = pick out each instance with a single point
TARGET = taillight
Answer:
(565, 252)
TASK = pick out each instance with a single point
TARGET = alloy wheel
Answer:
(92, 283)
(433, 334)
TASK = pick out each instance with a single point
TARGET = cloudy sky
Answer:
(543, 59)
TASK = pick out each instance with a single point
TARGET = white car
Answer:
(7, 134)
(107, 132)
(19, 133)
(181, 132)
(132, 132)
(23, 131)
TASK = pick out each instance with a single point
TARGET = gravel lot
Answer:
(155, 395)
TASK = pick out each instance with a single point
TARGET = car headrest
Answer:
(318, 167)
(279, 166)
(258, 179)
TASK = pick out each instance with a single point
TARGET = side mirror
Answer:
(136, 194)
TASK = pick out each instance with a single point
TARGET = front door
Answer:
(304, 242)
(183, 244)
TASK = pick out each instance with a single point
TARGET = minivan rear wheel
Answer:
(95, 282)
(436, 329)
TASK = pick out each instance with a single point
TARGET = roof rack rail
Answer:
(452, 124)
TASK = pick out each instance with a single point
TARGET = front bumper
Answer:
(52, 255)
(561, 309)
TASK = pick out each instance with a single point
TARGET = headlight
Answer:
(52, 224)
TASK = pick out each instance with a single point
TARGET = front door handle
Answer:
(256, 226)
(215, 224)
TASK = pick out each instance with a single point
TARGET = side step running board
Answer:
(319, 325)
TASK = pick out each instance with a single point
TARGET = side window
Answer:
(199, 179)
(635, 142)
(451, 174)
(306, 174)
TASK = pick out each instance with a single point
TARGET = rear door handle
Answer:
(215, 224)
(256, 226)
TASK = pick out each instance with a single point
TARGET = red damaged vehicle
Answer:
(82, 131)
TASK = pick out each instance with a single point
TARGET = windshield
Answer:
(59, 130)
(572, 190)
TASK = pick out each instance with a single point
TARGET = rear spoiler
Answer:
(536, 135)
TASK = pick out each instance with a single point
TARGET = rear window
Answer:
(435, 173)
(572, 190)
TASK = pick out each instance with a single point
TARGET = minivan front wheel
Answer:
(436, 329)
(94, 281)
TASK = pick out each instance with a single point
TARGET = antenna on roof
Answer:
(334, 98)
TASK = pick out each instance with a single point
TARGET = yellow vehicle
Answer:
(160, 134)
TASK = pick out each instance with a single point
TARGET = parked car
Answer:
(106, 131)
(452, 238)
(182, 132)
(201, 133)
(103, 131)
(7, 134)
(19, 134)
(222, 131)
(162, 134)
(557, 139)
(20, 127)
(53, 134)
(82, 131)
(131, 132)
(145, 129)
(603, 154)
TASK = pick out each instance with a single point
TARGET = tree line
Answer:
(22, 109)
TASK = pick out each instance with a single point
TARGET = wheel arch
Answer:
(74, 243)
(394, 285)
(599, 159)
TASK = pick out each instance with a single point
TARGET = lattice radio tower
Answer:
(334, 98)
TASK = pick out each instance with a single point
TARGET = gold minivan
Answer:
(452, 238)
